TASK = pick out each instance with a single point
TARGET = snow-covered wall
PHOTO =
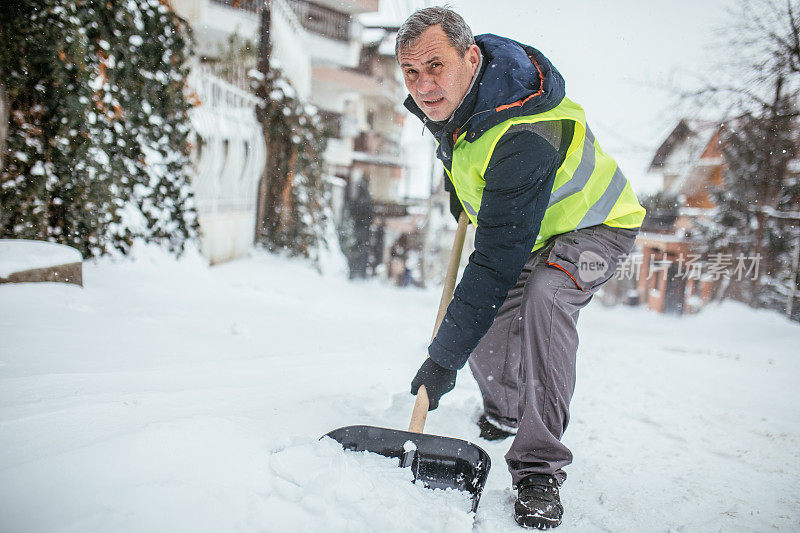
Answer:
(229, 158)
(329, 51)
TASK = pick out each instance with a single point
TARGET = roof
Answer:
(685, 129)
(381, 38)
(688, 156)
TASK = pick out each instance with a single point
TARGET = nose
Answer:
(425, 83)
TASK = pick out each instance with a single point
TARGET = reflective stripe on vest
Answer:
(589, 188)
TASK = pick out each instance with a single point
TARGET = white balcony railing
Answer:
(229, 159)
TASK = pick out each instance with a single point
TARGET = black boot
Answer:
(538, 505)
(493, 431)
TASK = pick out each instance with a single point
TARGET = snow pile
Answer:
(324, 488)
(17, 255)
(167, 395)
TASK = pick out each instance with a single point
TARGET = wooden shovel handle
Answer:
(420, 412)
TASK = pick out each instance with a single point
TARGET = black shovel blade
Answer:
(438, 462)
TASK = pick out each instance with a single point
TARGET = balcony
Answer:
(254, 6)
(322, 20)
(374, 148)
(347, 7)
(388, 90)
(331, 122)
(351, 7)
(331, 23)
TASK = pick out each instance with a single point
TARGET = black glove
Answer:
(438, 381)
(455, 204)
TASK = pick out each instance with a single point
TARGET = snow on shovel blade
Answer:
(438, 462)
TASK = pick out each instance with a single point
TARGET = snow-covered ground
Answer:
(169, 396)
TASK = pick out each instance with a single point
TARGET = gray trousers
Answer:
(525, 364)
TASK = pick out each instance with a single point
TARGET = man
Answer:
(553, 217)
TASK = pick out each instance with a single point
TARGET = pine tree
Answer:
(757, 209)
(295, 205)
(97, 148)
(49, 165)
(294, 200)
(750, 219)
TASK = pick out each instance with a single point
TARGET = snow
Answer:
(330, 259)
(17, 255)
(372, 35)
(256, 74)
(37, 169)
(167, 395)
(375, 494)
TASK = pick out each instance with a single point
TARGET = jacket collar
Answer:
(513, 79)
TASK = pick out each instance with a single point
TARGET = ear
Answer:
(473, 55)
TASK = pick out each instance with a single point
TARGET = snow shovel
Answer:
(437, 462)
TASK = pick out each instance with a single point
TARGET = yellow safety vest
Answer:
(589, 187)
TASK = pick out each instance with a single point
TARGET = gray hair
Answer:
(457, 31)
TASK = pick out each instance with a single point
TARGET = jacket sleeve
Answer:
(519, 179)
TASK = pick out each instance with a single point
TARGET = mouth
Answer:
(433, 103)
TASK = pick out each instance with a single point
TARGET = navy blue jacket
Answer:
(519, 179)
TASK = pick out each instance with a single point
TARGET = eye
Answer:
(411, 73)
(436, 65)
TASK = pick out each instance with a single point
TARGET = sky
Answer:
(622, 61)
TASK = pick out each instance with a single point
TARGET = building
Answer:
(360, 99)
(307, 38)
(671, 277)
(229, 148)
(348, 73)
(228, 160)
(380, 156)
(674, 277)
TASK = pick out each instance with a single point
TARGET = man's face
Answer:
(436, 75)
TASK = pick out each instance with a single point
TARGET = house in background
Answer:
(359, 101)
(671, 277)
(382, 156)
(362, 103)
(228, 160)
(229, 151)
(348, 73)
(307, 38)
